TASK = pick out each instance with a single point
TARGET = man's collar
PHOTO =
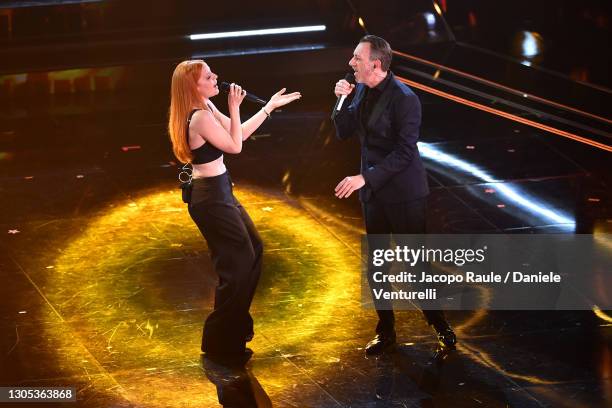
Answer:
(381, 86)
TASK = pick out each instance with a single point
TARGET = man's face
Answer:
(361, 64)
(207, 84)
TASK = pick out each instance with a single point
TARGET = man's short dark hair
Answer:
(379, 50)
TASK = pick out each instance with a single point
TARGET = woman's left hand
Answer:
(281, 98)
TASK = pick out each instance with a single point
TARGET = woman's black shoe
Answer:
(230, 358)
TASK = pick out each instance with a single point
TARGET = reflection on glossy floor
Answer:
(106, 281)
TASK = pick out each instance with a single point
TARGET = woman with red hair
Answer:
(200, 135)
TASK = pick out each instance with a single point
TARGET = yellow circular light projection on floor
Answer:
(133, 290)
(134, 287)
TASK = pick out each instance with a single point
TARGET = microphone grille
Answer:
(350, 78)
(224, 86)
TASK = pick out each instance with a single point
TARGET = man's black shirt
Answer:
(372, 95)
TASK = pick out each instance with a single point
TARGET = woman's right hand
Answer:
(235, 96)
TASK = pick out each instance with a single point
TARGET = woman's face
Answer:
(207, 84)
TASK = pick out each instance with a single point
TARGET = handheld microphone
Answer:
(350, 78)
(225, 87)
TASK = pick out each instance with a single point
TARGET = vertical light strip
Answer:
(437, 8)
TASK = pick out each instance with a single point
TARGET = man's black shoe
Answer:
(380, 344)
(446, 337)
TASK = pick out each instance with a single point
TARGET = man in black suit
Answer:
(386, 115)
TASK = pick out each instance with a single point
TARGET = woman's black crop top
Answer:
(205, 153)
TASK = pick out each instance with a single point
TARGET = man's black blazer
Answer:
(390, 160)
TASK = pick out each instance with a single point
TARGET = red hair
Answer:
(184, 97)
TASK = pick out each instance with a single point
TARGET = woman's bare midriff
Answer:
(210, 169)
